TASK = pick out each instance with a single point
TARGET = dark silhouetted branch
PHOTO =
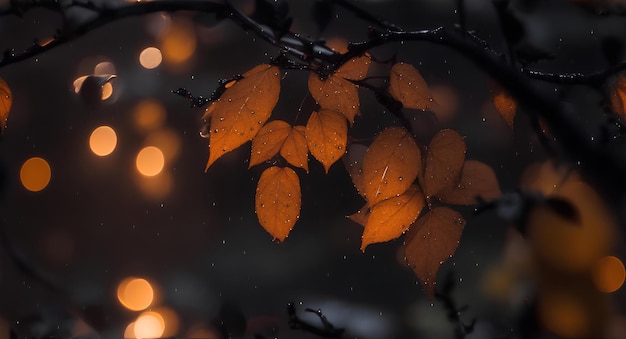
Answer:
(328, 330)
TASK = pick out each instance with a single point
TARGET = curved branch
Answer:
(594, 79)
(605, 168)
(108, 15)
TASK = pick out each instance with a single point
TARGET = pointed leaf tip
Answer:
(269, 141)
(431, 241)
(277, 201)
(243, 108)
(390, 218)
(327, 136)
(295, 149)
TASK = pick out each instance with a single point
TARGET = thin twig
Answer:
(328, 330)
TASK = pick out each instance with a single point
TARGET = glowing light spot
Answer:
(170, 320)
(136, 294)
(149, 325)
(78, 83)
(178, 41)
(149, 115)
(129, 332)
(103, 141)
(150, 161)
(107, 90)
(608, 274)
(104, 68)
(35, 174)
(150, 57)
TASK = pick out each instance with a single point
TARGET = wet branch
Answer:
(328, 330)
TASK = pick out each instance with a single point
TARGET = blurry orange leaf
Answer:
(444, 161)
(242, 109)
(430, 242)
(391, 164)
(277, 201)
(392, 217)
(269, 141)
(295, 149)
(353, 160)
(6, 100)
(547, 177)
(505, 105)
(327, 136)
(477, 180)
(336, 92)
(360, 217)
(407, 86)
(617, 97)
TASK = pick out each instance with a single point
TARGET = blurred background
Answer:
(111, 202)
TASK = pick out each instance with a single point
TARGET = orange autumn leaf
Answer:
(407, 86)
(444, 161)
(353, 160)
(505, 104)
(361, 216)
(327, 136)
(277, 201)
(392, 217)
(617, 97)
(336, 92)
(430, 242)
(391, 164)
(242, 109)
(477, 180)
(269, 141)
(6, 100)
(295, 149)
(355, 68)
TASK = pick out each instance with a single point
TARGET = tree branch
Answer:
(604, 168)
(574, 137)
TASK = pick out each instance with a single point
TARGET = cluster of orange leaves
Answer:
(397, 182)
(392, 176)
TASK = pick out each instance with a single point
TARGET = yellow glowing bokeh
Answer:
(107, 90)
(150, 161)
(608, 274)
(170, 320)
(78, 83)
(149, 325)
(150, 57)
(149, 114)
(178, 41)
(129, 332)
(35, 174)
(103, 141)
(136, 294)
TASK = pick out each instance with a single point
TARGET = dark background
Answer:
(200, 245)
